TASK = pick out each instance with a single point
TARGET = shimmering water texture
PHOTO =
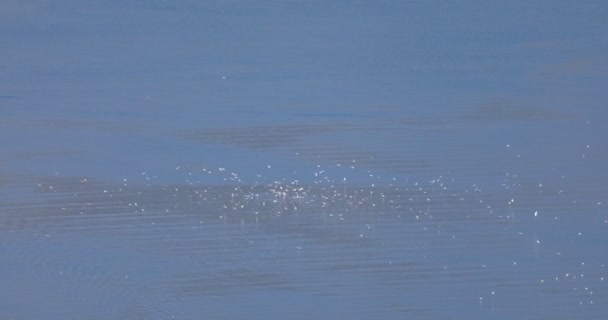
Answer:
(277, 159)
(385, 247)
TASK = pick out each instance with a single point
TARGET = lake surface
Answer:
(300, 160)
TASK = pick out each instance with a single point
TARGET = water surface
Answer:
(242, 160)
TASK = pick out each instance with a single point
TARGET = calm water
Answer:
(299, 160)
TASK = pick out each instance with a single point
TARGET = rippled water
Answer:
(196, 161)
(342, 234)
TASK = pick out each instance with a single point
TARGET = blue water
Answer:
(283, 159)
